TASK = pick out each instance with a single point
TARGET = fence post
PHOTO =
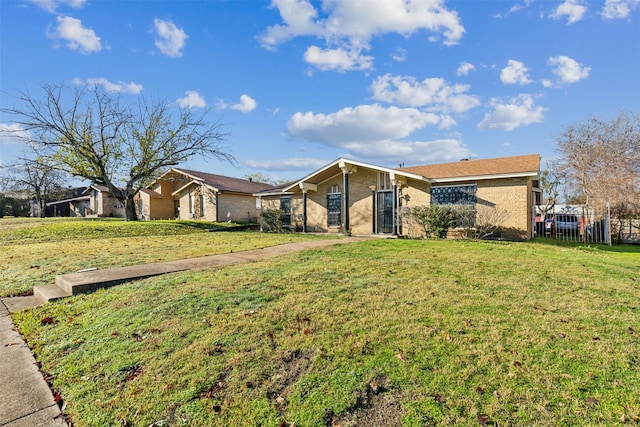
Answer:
(607, 220)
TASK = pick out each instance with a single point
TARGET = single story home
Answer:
(351, 196)
(188, 194)
(102, 203)
(92, 202)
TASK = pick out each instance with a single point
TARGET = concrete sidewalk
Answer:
(25, 398)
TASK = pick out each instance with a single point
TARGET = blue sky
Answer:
(299, 83)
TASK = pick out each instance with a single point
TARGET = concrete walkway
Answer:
(25, 397)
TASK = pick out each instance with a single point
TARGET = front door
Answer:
(385, 212)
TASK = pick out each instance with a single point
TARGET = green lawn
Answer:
(384, 332)
(35, 250)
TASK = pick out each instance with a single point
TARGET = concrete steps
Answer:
(46, 293)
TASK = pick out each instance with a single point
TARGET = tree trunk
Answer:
(130, 209)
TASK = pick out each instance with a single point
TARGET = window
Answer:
(454, 195)
(334, 207)
(384, 181)
(191, 205)
(462, 197)
(285, 207)
(202, 205)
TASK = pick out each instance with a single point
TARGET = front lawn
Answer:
(384, 332)
(35, 250)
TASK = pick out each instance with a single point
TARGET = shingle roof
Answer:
(516, 165)
(226, 183)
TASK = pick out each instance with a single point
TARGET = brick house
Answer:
(368, 199)
(94, 201)
(187, 194)
(102, 203)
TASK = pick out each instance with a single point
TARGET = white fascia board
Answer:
(359, 164)
(273, 193)
(484, 177)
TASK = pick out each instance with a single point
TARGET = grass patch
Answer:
(35, 251)
(419, 332)
(36, 230)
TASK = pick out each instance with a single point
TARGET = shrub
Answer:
(272, 220)
(435, 220)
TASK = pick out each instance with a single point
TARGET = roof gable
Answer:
(527, 165)
(225, 183)
(334, 167)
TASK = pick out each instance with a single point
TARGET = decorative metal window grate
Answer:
(463, 197)
(454, 195)
(334, 209)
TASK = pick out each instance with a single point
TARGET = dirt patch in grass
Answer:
(293, 365)
(376, 406)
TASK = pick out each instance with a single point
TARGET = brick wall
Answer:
(241, 207)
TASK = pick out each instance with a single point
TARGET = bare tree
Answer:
(92, 134)
(37, 178)
(601, 160)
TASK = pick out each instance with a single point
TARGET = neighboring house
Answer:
(72, 203)
(361, 198)
(102, 203)
(187, 194)
(91, 202)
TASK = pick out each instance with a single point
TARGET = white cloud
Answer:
(515, 8)
(337, 59)
(375, 133)
(121, 87)
(568, 70)
(441, 150)
(12, 133)
(192, 100)
(170, 39)
(245, 105)
(465, 68)
(78, 38)
(515, 73)
(399, 55)
(573, 9)
(362, 123)
(435, 94)
(52, 5)
(618, 9)
(519, 111)
(346, 29)
(294, 163)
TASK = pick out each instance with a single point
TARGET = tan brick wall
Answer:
(506, 201)
(510, 197)
(241, 207)
(416, 193)
(160, 208)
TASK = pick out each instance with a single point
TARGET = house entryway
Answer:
(385, 212)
